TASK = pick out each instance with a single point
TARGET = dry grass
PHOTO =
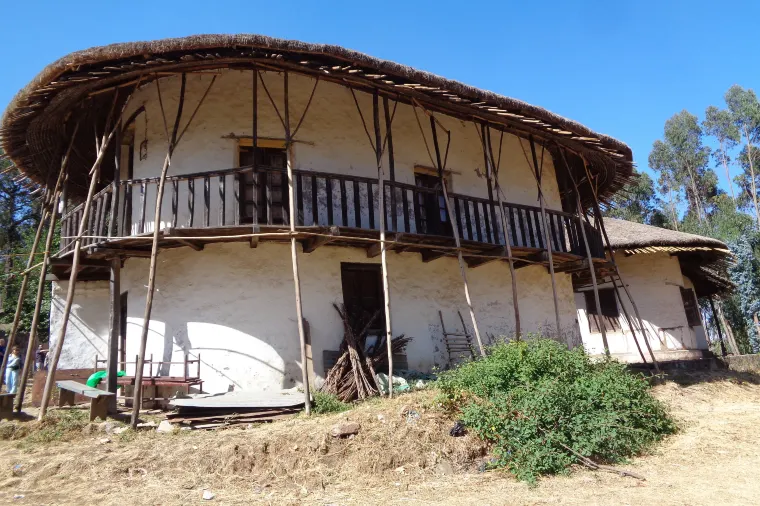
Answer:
(394, 460)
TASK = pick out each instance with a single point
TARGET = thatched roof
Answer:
(704, 260)
(628, 235)
(34, 126)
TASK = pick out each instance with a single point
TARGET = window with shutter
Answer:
(690, 306)
(610, 312)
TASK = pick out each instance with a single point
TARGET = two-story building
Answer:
(224, 285)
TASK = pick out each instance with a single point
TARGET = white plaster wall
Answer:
(333, 140)
(87, 331)
(654, 281)
(235, 307)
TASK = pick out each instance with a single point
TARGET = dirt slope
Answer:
(399, 457)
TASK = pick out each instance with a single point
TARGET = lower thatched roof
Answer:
(703, 260)
(629, 235)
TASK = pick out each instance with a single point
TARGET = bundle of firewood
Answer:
(354, 374)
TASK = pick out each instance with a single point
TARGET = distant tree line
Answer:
(686, 196)
(20, 215)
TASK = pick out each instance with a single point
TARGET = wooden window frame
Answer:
(610, 310)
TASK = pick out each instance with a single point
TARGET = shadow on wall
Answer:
(83, 340)
(231, 358)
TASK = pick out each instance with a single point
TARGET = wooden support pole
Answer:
(77, 255)
(717, 326)
(592, 270)
(381, 204)
(733, 347)
(457, 241)
(598, 214)
(492, 173)
(547, 236)
(391, 162)
(114, 327)
(137, 401)
(628, 320)
(47, 203)
(57, 194)
(294, 252)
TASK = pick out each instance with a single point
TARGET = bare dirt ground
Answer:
(395, 459)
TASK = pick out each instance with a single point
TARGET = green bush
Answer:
(535, 401)
(328, 403)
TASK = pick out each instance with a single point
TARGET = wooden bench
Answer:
(98, 398)
(6, 405)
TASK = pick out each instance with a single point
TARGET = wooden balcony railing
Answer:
(241, 196)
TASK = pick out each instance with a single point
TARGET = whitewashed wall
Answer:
(333, 140)
(235, 307)
(654, 281)
(87, 331)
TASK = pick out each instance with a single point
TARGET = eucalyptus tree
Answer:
(661, 161)
(637, 201)
(719, 123)
(745, 113)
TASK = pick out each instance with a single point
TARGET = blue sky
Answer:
(622, 68)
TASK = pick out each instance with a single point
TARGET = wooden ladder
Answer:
(458, 344)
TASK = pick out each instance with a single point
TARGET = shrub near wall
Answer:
(535, 401)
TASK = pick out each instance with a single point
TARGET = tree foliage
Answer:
(638, 201)
(19, 217)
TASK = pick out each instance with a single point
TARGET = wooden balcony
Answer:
(342, 210)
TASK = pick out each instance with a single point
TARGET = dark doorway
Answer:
(264, 194)
(363, 292)
(431, 206)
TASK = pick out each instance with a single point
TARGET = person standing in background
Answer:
(13, 367)
(2, 349)
(39, 358)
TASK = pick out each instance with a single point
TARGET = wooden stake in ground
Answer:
(77, 253)
(294, 251)
(172, 141)
(492, 173)
(457, 241)
(31, 345)
(547, 235)
(383, 253)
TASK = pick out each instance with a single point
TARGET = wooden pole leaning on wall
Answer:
(589, 257)
(294, 250)
(77, 254)
(492, 173)
(732, 346)
(114, 285)
(46, 204)
(598, 214)
(628, 321)
(31, 345)
(171, 145)
(455, 231)
(547, 235)
(383, 252)
(717, 327)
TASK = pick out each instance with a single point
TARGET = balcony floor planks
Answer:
(425, 245)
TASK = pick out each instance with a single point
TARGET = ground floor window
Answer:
(610, 312)
(690, 306)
